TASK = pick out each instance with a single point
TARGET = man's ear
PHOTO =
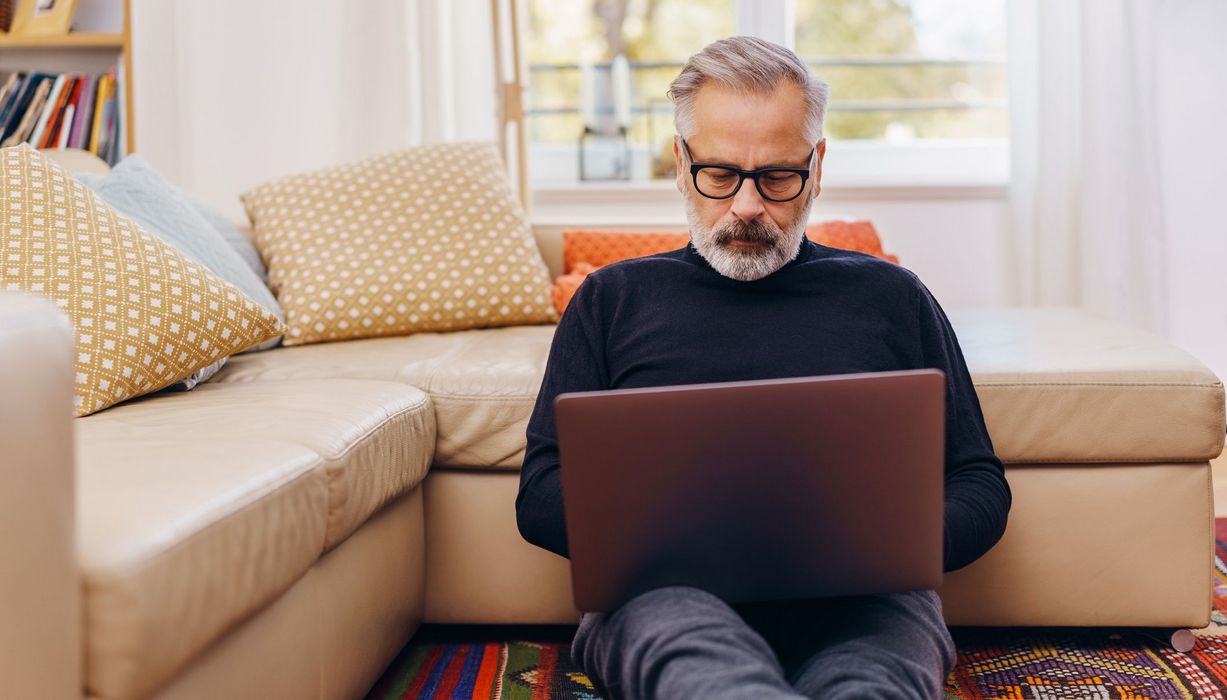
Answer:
(820, 151)
(677, 160)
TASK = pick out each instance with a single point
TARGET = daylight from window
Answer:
(901, 71)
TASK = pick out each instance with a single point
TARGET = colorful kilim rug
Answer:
(1037, 663)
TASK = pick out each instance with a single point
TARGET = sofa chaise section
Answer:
(198, 509)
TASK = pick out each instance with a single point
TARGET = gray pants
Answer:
(682, 642)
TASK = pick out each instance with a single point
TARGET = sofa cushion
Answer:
(136, 189)
(1061, 385)
(426, 239)
(1056, 386)
(145, 315)
(483, 383)
(196, 510)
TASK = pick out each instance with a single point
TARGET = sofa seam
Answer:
(377, 427)
(1138, 385)
(1051, 461)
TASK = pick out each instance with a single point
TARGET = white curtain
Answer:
(450, 71)
(1088, 225)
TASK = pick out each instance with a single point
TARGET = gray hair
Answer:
(750, 65)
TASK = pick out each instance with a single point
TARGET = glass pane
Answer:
(571, 46)
(908, 69)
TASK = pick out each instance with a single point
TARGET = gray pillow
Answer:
(238, 242)
(136, 189)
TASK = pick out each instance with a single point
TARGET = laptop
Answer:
(755, 491)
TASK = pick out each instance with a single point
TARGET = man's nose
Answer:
(748, 203)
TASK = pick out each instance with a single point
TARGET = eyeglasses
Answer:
(721, 181)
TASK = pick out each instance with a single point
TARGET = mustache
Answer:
(751, 232)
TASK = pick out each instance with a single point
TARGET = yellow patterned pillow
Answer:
(427, 239)
(145, 315)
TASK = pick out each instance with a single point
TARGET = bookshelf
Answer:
(83, 52)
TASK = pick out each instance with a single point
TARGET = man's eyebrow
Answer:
(800, 165)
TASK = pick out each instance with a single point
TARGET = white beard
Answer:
(750, 263)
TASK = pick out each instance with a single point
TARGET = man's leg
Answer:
(887, 646)
(677, 642)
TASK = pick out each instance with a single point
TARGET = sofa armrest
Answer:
(40, 598)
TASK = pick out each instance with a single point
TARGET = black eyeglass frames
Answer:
(774, 184)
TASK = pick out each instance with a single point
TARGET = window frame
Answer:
(854, 170)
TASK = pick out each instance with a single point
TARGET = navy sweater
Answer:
(672, 319)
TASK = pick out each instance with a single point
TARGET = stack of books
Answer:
(71, 110)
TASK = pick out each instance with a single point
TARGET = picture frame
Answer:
(6, 15)
(43, 17)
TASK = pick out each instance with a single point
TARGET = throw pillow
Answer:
(137, 190)
(427, 239)
(145, 315)
(584, 251)
(240, 243)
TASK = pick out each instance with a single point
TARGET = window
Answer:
(904, 70)
(918, 86)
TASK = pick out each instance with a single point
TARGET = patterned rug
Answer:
(1038, 663)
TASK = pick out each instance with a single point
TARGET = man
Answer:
(752, 298)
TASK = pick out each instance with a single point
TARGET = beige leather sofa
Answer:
(282, 530)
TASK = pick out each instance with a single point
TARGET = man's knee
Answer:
(863, 671)
(649, 618)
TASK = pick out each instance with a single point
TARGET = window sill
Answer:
(658, 203)
(854, 172)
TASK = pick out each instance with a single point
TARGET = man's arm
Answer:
(576, 363)
(977, 495)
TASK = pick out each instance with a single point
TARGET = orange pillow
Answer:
(586, 250)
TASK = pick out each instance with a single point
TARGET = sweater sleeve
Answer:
(977, 495)
(576, 363)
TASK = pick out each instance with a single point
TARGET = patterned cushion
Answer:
(136, 190)
(583, 251)
(146, 316)
(428, 239)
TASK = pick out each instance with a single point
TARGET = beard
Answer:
(776, 247)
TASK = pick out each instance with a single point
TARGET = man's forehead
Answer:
(749, 129)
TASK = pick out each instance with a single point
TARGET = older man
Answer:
(752, 298)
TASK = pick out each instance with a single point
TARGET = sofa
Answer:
(283, 529)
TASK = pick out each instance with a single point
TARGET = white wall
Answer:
(954, 240)
(1193, 169)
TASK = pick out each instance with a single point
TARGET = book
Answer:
(9, 95)
(40, 126)
(79, 138)
(100, 99)
(51, 136)
(62, 138)
(108, 149)
(8, 87)
(121, 108)
(16, 108)
(29, 114)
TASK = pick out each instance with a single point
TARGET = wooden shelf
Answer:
(66, 41)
